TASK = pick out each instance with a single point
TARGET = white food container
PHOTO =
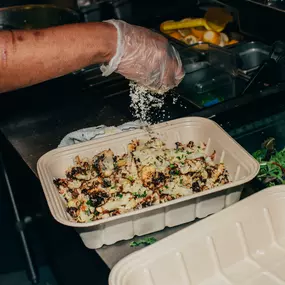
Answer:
(240, 165)
(242, 245)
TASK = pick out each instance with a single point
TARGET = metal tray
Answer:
(204, 85)
(250, 55)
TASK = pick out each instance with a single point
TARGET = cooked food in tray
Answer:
(191, 36)
(208, 29)
(149, 174)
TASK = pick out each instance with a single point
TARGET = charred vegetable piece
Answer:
(103, 163)
(77, 173)
(59, 182)
(133, 145)
(72, 211)
(97, 198)
(196, 187)
(147, 175)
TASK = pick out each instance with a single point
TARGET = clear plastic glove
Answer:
(145, 57)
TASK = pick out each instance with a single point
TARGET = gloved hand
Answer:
(145, 57)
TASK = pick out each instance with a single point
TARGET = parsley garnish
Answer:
(143, 241)
(166, 186)
(178, 157)
(172, 165)
(188, 152)
(131, 178)
(89, 203)
(137, 195)
(120, 195)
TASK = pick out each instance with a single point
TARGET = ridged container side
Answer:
(244, 244)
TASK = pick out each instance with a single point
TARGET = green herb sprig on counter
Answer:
(143, 241)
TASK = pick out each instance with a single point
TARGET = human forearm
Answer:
(33, 56)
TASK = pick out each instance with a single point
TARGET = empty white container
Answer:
(241, 166)
(241, 245)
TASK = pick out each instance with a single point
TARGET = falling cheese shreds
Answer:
(143, 101)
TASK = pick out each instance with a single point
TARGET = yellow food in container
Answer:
(198, 32)
(200, 22)
(208, 29)
(169, 31)
(190, 40)
(176, 35)
(212, 37)
(185, 32)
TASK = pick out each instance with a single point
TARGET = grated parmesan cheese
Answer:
(149, 106)
(143, 100)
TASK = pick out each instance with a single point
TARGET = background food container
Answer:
(251, 55)
(244, 244)
(240, 165)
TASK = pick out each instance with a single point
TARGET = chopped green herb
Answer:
(113, 187)
(120, 195)
(137, 195)
(178, 157)
(172, 165)
(143, 241)
(131, 178)
(188, 152)
(166, 186)
(176, 172)
(89, 203)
